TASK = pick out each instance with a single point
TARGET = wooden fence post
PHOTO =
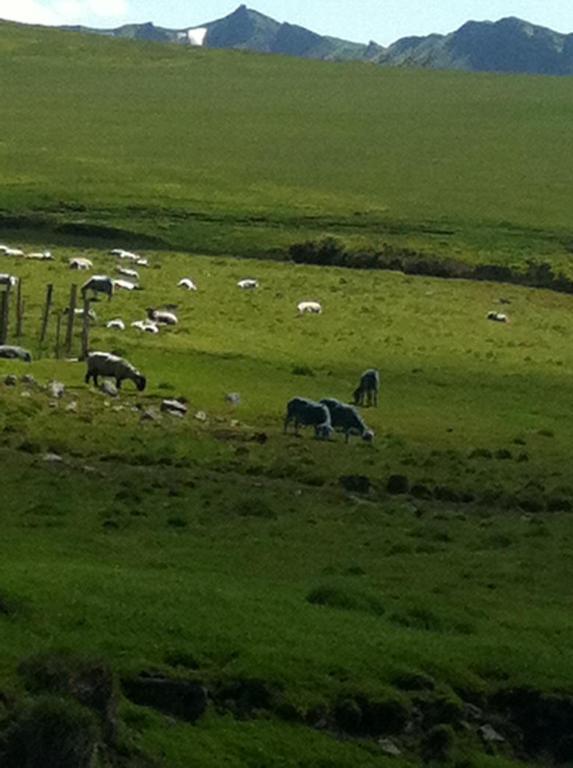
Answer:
(71, 318)
(4, 316)
(86, 328)
(46, 315)
(19, 310)
(58, 334)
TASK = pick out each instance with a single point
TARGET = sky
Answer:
(362, 20)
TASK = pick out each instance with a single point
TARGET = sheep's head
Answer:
(150, 313)
(324, 431)
(140, 382)
(26, 357)
(368, 436)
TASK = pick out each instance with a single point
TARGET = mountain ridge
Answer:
(509, 45)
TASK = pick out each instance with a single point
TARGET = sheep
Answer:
(80, 264)
(8, 352)
(8, 281)
(308, 413)
(127, 255)
(110, 366)
(125, 285)
(345, 418)
(497, 317)
(128, 272)
(145, 325)
(248, 285)
(11, 251)
(43, 256)
(142, 262)
(116, 325)
(311, 307)
(159, 317)
(99, 284)
(187, 283)
(368, 388)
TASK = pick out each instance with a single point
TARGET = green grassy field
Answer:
(220, 152)
(188, 548)
(332, 619)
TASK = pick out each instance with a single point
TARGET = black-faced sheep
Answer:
(110, 366)
(307, 413)
(345, 418)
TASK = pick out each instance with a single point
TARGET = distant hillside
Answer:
(509, 45)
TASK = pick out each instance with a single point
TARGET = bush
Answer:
(346, 598)
(50, 733)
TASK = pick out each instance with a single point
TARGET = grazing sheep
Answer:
(8, 352)
(99, 284)
(43, 256)
(248, 285)
(146, 326)
(125, 285)
(80, 264)
(187, 283)
(368, 389)
(308, 413)
(116, 325)
(497, 317)
(310, 307)
(128, 272)
(160, 317)
(110, 366)
(8, 281)
(345, 418)
(127, 255)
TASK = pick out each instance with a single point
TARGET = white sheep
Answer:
(497, 317)
(146, 326)
(127, 255)
(128, 272)
(142, 262)
(43, 256)
(160, 317)
(125, 285)
(310, 307)
(248, 284)
(11, 251)
(116, 325)
(187, 283)
(80, 264)
(110, 366)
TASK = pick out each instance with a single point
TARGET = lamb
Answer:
(187, 283)
(310, 307)
(497, 317)
(99, 284)
(146, 326)
(116, 325)
(248, 285)
(125, 285)
(159, 317)
(308, 413)
(43, 256)
(368, 389)
(8, 281)
(80, 264)
(128, 272)
(345, 418)
(8, 352)
(110, 366)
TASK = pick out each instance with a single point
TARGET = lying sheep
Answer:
(161, 317)
(8, 352)
(110, 366)
(43, 256)
(497, 317)
(345, 418)
(309, 307)
(368, 389)
(126, 255)
(187, 283)
(128, 272)
(248, 285)
(307, 413)
(126, 285)
(147, 326)
(116, 325)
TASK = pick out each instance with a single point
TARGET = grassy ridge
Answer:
(192, 146)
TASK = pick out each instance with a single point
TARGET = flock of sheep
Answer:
(327, 416)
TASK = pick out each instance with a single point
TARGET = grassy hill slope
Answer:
(222, 151)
